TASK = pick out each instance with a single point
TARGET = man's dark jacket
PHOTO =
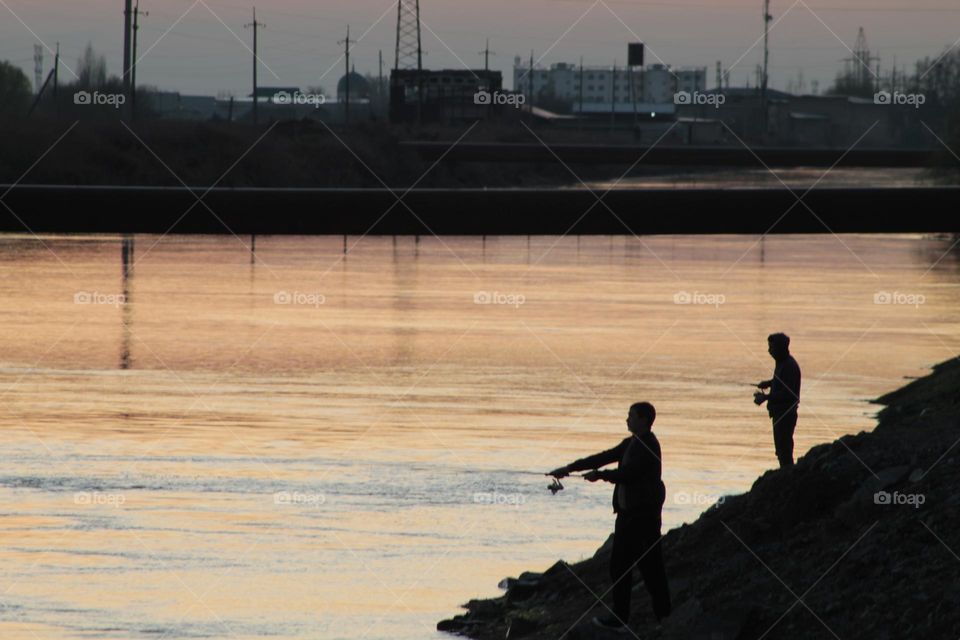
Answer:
(784, 387)
(637, 476)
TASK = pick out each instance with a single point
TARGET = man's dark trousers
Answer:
(783, 427)
(636, 543)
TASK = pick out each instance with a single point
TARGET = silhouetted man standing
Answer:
(638, 497)
(784, 397)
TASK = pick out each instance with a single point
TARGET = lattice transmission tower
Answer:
(409, 54)
(859, 65)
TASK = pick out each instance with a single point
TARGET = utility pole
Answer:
(346, 97)
(486, 53)
(127, 16)
(634, 59)
(380, 81)
(133, 65)
(613, 97)
(56, 79)
(767, 18)
(255, 26)
(530, 83)
(581, 88)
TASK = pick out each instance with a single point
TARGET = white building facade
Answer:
(653, 84)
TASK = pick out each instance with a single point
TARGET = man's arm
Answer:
(632, 471)
(595, 461)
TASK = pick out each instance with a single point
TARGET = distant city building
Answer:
(275, 104)
(807, 120)
(269, 94)
(173, 105)
(446, 95)
(651, 85)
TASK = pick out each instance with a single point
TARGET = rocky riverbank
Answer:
(859, 540)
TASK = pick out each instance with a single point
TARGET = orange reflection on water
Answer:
(318, 445)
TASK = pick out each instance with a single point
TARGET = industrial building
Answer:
(599, 88)
(807, 120)
(444, 95)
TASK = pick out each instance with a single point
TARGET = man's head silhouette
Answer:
(778, 345)
(640, 418)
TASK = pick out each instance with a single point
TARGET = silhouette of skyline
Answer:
(201, 47)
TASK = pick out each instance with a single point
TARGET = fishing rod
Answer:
(725, 381)
(555, 485)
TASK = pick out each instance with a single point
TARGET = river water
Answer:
(197, 442)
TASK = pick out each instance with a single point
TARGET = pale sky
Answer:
(299, 45)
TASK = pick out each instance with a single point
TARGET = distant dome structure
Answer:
(359, 88)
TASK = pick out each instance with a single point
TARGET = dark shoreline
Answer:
(107, 176)
(509, 211)
(807, 553)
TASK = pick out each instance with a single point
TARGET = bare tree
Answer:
(91, 69)
(939, 78)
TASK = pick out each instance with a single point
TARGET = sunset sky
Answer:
(299, 47)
